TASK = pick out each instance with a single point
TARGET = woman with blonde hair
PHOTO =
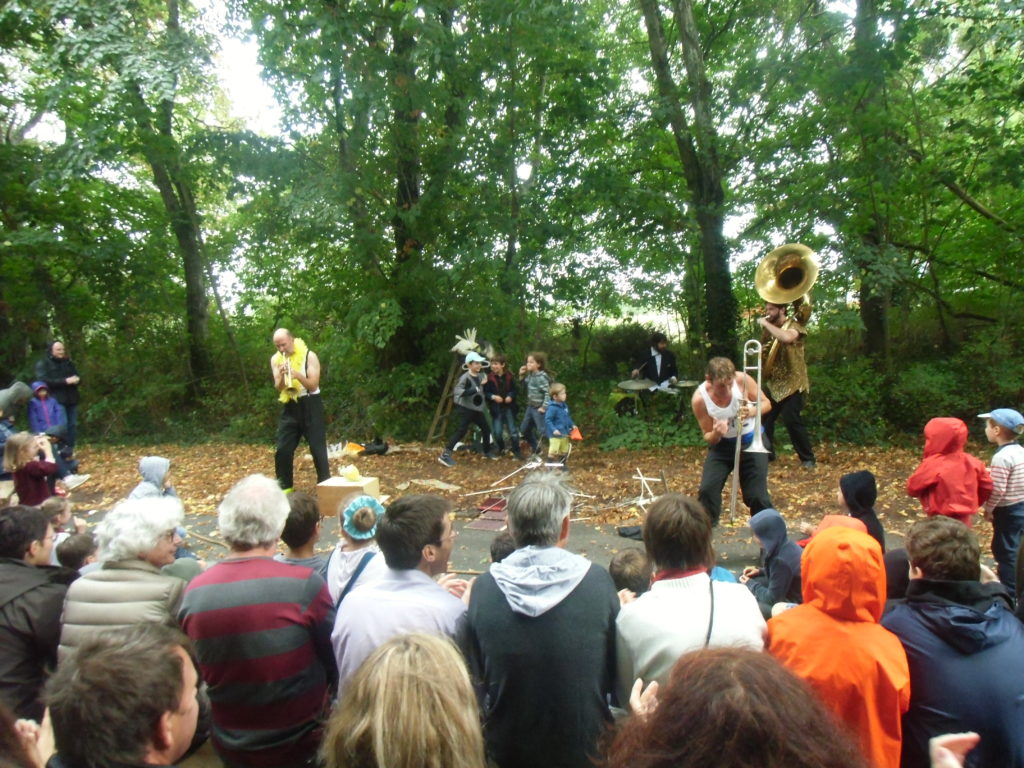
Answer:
(410, 705)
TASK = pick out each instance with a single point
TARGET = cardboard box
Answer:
(335, 491)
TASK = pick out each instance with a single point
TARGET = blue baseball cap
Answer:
(1006, 417)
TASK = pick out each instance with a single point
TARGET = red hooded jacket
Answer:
(949, 481)
(835, 643)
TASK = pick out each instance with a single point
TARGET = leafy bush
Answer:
(846, 403)
(617, 347)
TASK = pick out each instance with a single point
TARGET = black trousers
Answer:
(301, 418)
(753, 479)
(467, 416)
(788, 409)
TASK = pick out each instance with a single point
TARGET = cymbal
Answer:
(635, 385)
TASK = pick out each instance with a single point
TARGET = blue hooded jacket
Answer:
(780, 572)
(966, 655)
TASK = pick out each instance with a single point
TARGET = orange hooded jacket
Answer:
(949, 481)
(835, 643)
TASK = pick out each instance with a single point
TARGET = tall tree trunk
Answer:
(702, 170)
(875, 293)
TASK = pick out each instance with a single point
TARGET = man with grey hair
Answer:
(262, 633)
(540, 638)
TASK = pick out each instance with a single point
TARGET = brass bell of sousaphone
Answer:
(785, 276)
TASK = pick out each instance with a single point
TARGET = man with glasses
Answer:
(415, 536)
(31, 599)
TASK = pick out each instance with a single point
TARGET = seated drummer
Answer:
(659, 364)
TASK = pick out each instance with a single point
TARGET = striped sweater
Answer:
(1007, 470)
(262, 634)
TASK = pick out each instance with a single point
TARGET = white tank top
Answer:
(728, 413)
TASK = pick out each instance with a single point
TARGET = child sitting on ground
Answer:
(64, 523)
(156, 483)
(301, 533)
(77, 552)
(1005, 507)
(558, 424)
(538, 397)
(502, 546)
(30, 459)
(857, 494)
(500, 390)
(631, 569)
(469, 408)
(356, 560)
(949, 481)
(778, 578)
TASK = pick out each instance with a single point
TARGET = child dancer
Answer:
(500, 391)
(558, 424)
(538, 398)
(469, 408)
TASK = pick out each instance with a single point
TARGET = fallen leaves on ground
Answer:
(606, 480)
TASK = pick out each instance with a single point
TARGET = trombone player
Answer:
(784, 278)
(725, 397)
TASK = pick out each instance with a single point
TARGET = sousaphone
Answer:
(785, 276)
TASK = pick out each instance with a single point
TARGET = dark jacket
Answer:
(780, 569)
(966, 655)
(540, 642)
(502, 386)
(649, 370)
(31, 600)
(55, 373)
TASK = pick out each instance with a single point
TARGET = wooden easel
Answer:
(439, 424)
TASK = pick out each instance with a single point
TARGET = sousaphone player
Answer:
(783, 280)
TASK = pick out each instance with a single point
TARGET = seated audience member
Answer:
(684, 610)
(126, 698)
(31, 598)
(835, 643)
(949, 481)
(415, 537)
(138, 581)
(964, 646)
(156, 483)
(261, 626)
(630, 569)
(19, 742)
(857, 495)
(897, 574)
(410, 705)
(356, 560)
(301, 533)
(30, 460)
(502, 546)
(540, 638)
(58, 509)
(78, 551)
(778, 578)
(156, 479)
(733, 708)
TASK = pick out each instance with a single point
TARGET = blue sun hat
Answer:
(1006, 417)
(358, 503)
(475, 357)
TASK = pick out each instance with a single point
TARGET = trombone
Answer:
(751, 362)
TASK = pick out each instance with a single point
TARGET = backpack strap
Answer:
(355, 576)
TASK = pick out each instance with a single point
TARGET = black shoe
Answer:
(809, 464)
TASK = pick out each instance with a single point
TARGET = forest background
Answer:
(541, 170)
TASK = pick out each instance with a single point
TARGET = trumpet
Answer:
(751, 362)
